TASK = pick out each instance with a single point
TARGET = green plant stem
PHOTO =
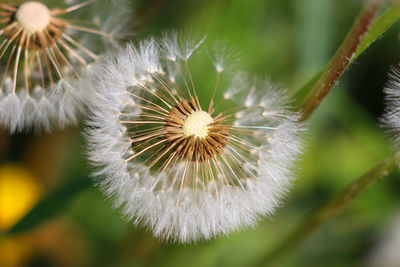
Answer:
(378, 27)
(341, 59)
(333, 207)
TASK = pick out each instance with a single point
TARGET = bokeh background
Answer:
(288, 41)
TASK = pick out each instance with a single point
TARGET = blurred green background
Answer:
(288, 41)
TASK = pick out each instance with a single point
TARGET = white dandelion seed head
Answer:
(175, 155)
(44, 53)
(391, 118)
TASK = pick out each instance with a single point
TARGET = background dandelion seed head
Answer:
(43, 55)
(391, 118)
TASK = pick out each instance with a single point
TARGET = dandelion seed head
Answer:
(187, 168)
(44, 53)
(391, 117)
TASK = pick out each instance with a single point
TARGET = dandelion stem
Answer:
(342, 58)
(333, 207)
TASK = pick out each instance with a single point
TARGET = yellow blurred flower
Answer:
(19, 191)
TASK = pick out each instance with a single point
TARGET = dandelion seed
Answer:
(186, 169)
(41, 57)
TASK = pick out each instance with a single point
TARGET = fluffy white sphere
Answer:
(189, 170)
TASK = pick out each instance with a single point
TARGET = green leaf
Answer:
(379, 26)
(51, 205)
